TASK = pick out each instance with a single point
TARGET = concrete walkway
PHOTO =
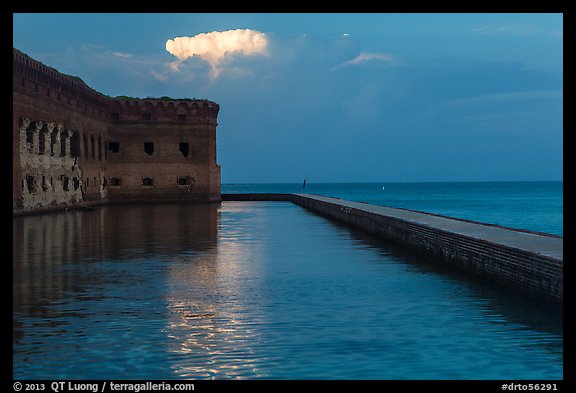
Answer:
(532, 242)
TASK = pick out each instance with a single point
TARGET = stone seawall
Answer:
(529, 262)
(257, 197)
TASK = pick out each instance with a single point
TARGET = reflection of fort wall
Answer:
(44, 245)
(167, 229)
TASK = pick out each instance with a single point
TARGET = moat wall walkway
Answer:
(528, 261)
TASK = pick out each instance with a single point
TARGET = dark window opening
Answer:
(93, 147)
(114, 147)
(76, 183)
(147, 116)
(42, 140)
(30, 133)
(115, 116)
(181, 117)
(53, 138)
(115, 182)
(104, 183)
(87, 182)
(149, 148)
(75, 145)
(63, 137)
(99, 149)
(30, 184)
(65, 183)
(147, 182)
(184, 149)
(105, 150)
(184, 181)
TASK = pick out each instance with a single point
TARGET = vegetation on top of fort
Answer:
(163, 98)
(74, 77)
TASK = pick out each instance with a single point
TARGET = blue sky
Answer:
(340, 97)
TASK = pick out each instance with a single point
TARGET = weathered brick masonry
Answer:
(73, 146)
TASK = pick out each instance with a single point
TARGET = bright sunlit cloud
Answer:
(216, 46)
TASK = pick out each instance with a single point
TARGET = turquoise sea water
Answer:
(265, 290)
(535, 206)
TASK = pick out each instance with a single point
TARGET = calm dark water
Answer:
(255, 290)
(535, 206)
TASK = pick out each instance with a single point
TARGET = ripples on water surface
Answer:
(255, 290)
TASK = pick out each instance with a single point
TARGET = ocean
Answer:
(268, 290)
(534, 205)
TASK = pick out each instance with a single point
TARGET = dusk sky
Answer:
(337, 97)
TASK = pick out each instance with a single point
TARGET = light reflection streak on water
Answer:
(209, 301)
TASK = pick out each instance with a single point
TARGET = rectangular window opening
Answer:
(184, 149)
(147, 182)
(115, 182)
(114, 147)
(149, 148)
(65, 183)
(184, 181)
(30, 184)
(44, 184)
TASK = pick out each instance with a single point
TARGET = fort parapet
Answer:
(73, 146)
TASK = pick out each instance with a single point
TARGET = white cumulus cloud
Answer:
(216, 46)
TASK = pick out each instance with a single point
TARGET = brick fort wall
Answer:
(74, 146)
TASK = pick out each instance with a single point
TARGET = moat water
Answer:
(256, 290)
